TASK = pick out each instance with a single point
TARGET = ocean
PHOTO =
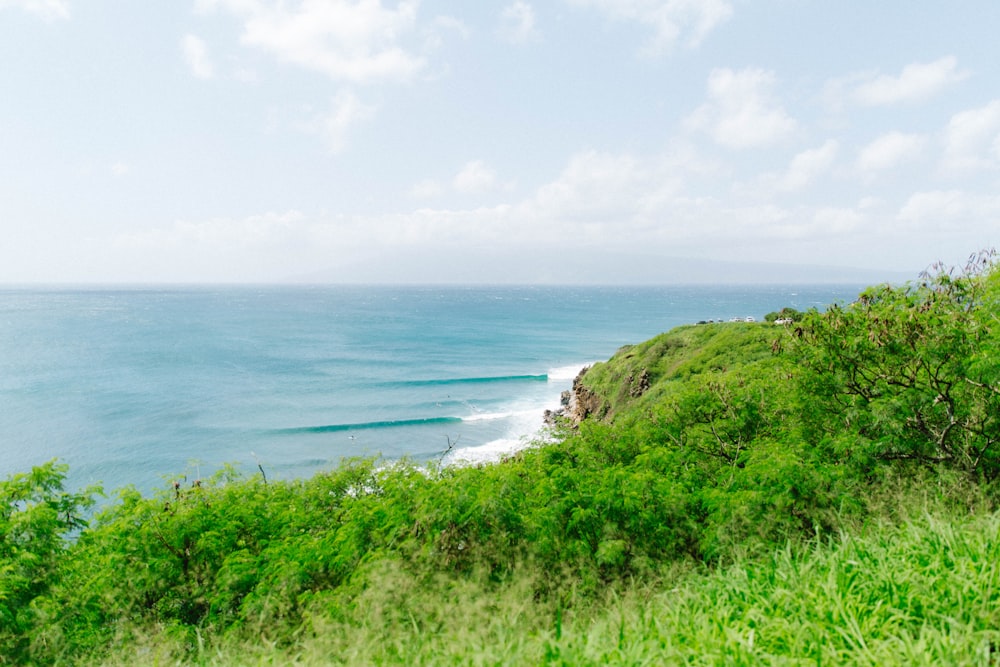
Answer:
(132, 386)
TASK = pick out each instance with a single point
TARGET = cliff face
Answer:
(578, 403)
(583, 402)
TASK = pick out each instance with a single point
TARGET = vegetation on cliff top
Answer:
(751, 493)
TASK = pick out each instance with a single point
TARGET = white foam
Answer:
(486, 416)
(492, 416)
(491, 452)
(526, 431)
(527, 427)
(564, 373)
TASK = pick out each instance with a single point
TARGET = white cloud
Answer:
(347, 110)
(622, 203)
(803, 169)
(775, 226)
(219, 249)
(597, 198)
(594, 187)
(246, 75)
(292, 244)
(518, 23)
(934, 205)
(741, 111)
(672, 21)
(954, 211)
(121, 168)
(196, 56)
(808, 165)
(255, 230)
(629, 201)
(427, 189)
(358, 42)
(916, 82)
(972, 138)
(433, 35)
(474, 178)
(610, 198)
(831, 221)
(45, 9)
(451, 24)
(890, 150)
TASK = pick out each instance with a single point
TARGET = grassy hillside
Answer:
(643, 376)
(739, 493)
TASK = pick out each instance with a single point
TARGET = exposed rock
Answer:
(577, 403)
(564, 398)
(637, 386)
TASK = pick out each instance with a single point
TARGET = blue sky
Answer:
(599, 141)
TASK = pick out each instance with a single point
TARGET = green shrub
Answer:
(36, 517)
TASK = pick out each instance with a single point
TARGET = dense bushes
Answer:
(909, 374)
(720, 442)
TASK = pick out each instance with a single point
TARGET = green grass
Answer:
(671, 360)
(926, 592)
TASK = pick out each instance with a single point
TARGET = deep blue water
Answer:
(128, 386)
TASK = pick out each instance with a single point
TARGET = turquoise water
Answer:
(130, 385)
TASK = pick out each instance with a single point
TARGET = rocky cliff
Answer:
(578, 404)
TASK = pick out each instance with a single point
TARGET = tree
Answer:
(910, 373)
(36, 517)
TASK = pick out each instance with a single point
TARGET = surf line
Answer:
(477, 380)
(389, 423)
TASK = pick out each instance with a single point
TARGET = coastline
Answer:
(532, 426)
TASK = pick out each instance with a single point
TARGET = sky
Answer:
(564, 141)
